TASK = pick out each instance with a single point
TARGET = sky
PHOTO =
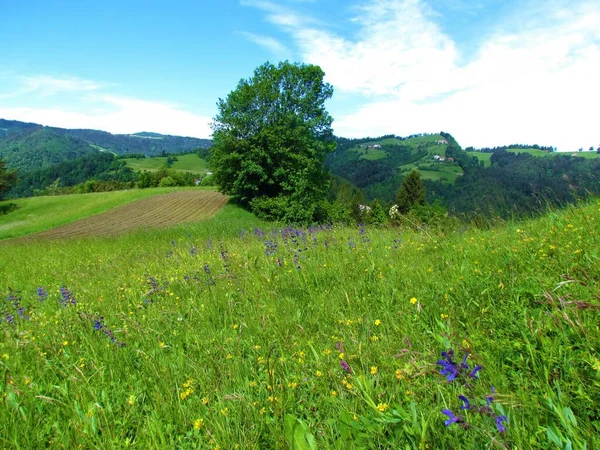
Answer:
(490, 72)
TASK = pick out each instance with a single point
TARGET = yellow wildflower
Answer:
(382, 407)
(413, 300)
(374, 370)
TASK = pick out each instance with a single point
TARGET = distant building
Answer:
(436, 157)
(442, 142)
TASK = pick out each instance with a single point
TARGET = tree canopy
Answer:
(7, 178)
(270, 139)
(411, 192)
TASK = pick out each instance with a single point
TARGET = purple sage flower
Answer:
(473, 373)
(499, 424)
(465, 400)
(345, 366)
(451, 417)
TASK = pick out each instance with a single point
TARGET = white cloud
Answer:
(279, 50)
(47, 86)
(532, 81)
(91, 107)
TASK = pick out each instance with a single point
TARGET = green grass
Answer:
(185, 163)
(485, 157)
(449, 177)
(41, 213)
(230, 342)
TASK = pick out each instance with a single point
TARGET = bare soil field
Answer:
(160, 211)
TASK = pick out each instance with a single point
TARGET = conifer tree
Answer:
(411, 192)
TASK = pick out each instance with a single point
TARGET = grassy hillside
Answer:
(185, 163)
(485, 157)
(41, 213)
(204, 336)
(377, 165)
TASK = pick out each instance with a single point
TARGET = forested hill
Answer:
(515, 179)
(41, 147)
(21, 142)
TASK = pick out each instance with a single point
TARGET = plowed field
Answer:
(159, 211)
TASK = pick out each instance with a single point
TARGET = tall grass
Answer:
(231, 334)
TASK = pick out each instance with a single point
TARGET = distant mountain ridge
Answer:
(28, 146)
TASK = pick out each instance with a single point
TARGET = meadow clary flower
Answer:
(451, 417)
(465, 400)
(499, 424)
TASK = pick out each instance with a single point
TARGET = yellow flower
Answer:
(382, 407)
(205, 400)
(374, 370)
(131, 400)
(198, 423)
(161, 345)
(65, 343)
(399, 374)
(444, 316)
(293, 385)
(333, 394)
(225, 411)
(413, 300)
(374, 338)
(318, 373)
(377, 322)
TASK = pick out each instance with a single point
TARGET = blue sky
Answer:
(490, 72)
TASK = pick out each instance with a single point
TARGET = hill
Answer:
(19, 141)
(342, 337)
(40, 148)
(377, 165)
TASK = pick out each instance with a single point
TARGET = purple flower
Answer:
(489, 399)
(340, 346)
(499, 424)
(345, 366)
(42, 293)
(451, 417)
(449, 368)
(465, 400)
(473, 373)
(67, 297)
(97, 325)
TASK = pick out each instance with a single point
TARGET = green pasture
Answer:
(185, 163)
(233, 333)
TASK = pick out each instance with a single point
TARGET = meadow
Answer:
(35, 214)
(233, 333)
(185, 163)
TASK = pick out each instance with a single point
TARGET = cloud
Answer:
(47, 86)
(532, 78)
(93, 108)
(279, 50)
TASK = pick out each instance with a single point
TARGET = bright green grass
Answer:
(449, 177)
(229, 347)
(185, 163)
(41, 213)
(481, 156)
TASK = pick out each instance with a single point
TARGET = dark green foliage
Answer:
(271, 136)
(96, 166)
(521, 184)
(7, 178)
(165, 177)
(41, 148)
(150, 144)
(411, 192)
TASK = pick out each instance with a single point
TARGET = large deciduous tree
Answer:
(270, 139)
